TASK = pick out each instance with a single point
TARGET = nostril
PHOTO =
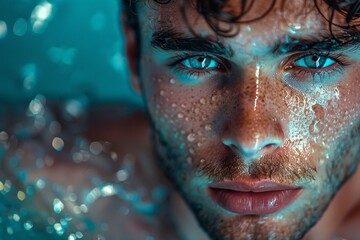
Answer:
(233, 147)
(270, 147)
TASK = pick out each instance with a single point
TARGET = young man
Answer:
(254, 105)
(257, 123)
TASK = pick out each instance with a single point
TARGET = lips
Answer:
(253, 197)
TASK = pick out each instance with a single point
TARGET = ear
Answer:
(131, 46)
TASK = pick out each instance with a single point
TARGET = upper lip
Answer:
(242, 185)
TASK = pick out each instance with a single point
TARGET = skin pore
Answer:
(278, 102)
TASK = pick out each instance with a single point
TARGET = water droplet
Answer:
(202, 160)
(180, 115)
(202, 100)
(191, 137)
(162, 92)
(208, 127)
(172, 81)
(189, 160)
(174, 105)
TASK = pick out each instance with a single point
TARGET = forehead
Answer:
(286, 19)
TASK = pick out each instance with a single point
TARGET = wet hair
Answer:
(215, 13)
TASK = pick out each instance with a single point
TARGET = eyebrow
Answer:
(327, 42)
(171, 40)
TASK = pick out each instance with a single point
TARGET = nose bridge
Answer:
(253, 130)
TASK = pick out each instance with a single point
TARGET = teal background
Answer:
(76, 50)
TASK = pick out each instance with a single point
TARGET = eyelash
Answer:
(297, 73)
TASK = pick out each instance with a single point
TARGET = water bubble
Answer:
(62, 55)
(98, 21)
(202, 100)
(20, 27)
(172, 81)
(29, 74)
(40, 16)
(21, 195)
(79, 234)
(36, 106)
(58, 205)
(72, 237)
(114, 156)
(162, 93)
(180, 115)
(28, 225)
(58, 144)
(55, 127)
(208, 127)
(3, 136)
(118, 61)
(16, 217)
(96, 148)
(191, 137)
(40, 184)
(10, 230)
(59, 229)
(3, 29)
(75, 108)
(122, 175)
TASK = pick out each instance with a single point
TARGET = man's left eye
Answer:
(314, 61)
(200, 63)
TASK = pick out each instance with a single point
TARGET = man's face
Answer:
(257, 130)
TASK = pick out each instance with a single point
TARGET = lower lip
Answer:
(254, 203)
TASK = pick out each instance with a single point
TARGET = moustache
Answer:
(276, 167)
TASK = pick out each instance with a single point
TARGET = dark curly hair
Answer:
(214, 12)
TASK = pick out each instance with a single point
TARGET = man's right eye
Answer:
(200, 63)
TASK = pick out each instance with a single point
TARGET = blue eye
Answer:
(314, 61)
(200, 63)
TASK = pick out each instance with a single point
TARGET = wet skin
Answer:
(275, 104)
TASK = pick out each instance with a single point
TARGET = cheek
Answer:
(179, 112)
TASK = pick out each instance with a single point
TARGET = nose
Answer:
(253, 129)
(252, 138)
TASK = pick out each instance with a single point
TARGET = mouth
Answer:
(253, 197)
